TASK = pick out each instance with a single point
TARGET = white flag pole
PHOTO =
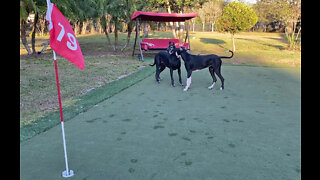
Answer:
(67, 172)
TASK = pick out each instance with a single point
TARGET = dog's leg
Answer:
(188, 82)
(160, 70)
(180, 80)
(157, 74)
(218, 72)
(171, 75)
(211, 70)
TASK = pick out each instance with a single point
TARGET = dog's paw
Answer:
(173, 85)
(221, 88)
(181, 84)
(185, 89)
(210, 87)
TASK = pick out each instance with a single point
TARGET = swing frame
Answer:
(159, 44)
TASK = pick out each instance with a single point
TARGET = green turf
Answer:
(251, 130)
(82, 104)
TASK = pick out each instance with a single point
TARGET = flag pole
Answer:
(67, 172)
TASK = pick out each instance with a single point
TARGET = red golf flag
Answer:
(62, 38)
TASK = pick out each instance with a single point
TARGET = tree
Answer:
(131, 7)
(26, 7)
(265, 10)
(285, 12)
(116, 10)
(101, 14)
(271, 11)
(74, 10)
(291, 21)
(210, 12)
(176, 6)
(39, 9)
(236, 17)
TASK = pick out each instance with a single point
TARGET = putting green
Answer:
(250, 130)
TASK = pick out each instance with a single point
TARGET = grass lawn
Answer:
(38, 93)
(265, 49)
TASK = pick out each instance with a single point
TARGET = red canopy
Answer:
(162, 17)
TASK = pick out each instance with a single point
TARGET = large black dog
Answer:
(163, 59)
(197, 62)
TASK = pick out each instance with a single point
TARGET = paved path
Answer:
(251, 130)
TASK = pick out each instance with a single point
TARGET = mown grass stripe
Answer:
(83, 103)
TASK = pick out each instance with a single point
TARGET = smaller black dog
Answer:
(198, 62)
(164, 59)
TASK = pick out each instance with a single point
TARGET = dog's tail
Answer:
(153, 62)
(226, 56)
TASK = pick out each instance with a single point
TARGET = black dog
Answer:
(197, 62)
(164, 59)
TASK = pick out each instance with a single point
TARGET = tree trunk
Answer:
(171, 23)
(177, 30)
(290, 28)
(137, 34)
(233, 44)
(34, 30)
(103, 22)
(130, 28)
(92, 27)
(193, 27)
(100, 29)
(23, 36)
(44, 47)
(42, 24)
(181, 30)
(298, 33)
(145, 30)
(76, 27)
(107, 35)
(115, 36)
(84, 27)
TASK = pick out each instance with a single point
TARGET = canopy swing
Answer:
(159, 44)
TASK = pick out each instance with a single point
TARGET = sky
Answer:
(251, 1)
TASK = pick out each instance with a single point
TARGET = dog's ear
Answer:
(169, 43)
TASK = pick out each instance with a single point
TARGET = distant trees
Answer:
(210, 12)
(236, 17)
(285, 14)
(26, 8)
(108, 16)
(84, 15)
(293, 20)
(175, 6)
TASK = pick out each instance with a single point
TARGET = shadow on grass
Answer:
(212, 41)
(218, 42)
(280, 47)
